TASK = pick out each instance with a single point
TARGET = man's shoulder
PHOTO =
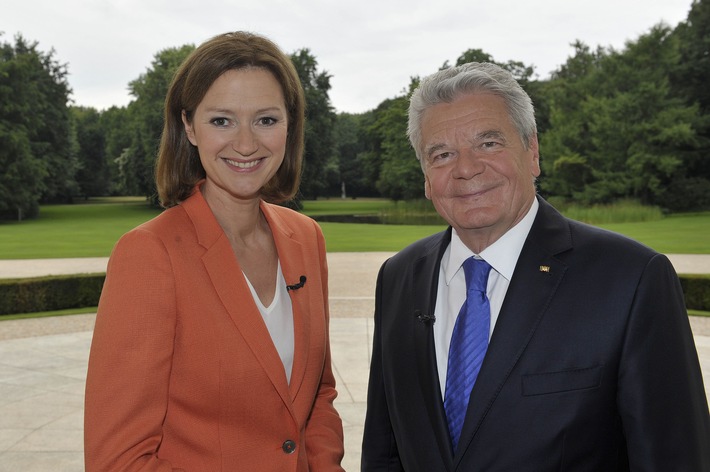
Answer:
(431, 245)
(556, 231)
(600, 239)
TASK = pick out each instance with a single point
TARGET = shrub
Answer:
(77, 291)
(687, 194)
(697, 291)
(50, 293)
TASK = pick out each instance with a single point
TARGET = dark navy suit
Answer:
(591, 366)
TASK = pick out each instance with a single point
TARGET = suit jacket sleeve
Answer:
(659, 364)
(379, 450)
(130, 359)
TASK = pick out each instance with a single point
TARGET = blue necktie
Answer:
(469, 342)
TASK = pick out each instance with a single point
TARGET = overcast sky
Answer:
(371, 48)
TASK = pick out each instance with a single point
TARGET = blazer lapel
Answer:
(231, 287)
(426, 279)
(535, 279)
(293, 266)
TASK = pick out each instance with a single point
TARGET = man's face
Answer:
(478, 174)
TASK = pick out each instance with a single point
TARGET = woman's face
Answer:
(240, 129)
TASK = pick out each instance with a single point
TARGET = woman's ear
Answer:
(189, 131)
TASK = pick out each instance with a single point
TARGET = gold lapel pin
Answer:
(544, 268)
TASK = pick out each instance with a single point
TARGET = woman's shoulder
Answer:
(163, 226)
(165, 221)
(286, 216)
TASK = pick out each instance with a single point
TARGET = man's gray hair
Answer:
(475, 77)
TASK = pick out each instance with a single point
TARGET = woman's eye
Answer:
(220, 121)
(267, 121)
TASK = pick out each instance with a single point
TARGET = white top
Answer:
(278, 317)
(451, 293)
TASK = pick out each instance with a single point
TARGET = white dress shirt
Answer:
(451, 293)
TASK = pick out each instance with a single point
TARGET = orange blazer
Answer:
(183, 374)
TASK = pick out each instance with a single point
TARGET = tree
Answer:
(689, 77)
(400, 174)
(693, 69)
(93, 176)
(22, 175)
(320, 167)
(349, 144)
(616, 123)
(145, 119)
(35, 130)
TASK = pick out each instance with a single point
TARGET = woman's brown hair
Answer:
(178, 167)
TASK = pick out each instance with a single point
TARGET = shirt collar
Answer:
(502, 255)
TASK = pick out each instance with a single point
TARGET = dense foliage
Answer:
(613, 124)
(37, 154)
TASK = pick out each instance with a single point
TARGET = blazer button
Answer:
(288, 446)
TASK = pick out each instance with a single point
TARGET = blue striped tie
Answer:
(469, 342)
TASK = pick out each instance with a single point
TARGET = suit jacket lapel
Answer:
(293, 267)
(535, 279)
(426, 279)
(232, 289)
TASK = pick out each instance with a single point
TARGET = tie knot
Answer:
(476, 271)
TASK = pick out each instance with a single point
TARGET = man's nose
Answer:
(468, 164)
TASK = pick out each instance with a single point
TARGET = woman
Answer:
(211, 349)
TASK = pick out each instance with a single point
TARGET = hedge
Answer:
(50, 293)
(77, 291)
(696, 288)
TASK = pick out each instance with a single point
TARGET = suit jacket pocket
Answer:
(565, 381)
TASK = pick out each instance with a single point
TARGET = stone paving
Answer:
(43, 363)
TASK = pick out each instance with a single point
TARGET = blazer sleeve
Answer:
(659, 366)
(130, 358)
(324, 430)
(379, 448)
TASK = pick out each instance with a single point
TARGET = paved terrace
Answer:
(43, 362)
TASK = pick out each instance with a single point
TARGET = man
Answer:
(588, 361)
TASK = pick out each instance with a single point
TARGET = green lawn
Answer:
(674, 234)
(91, 230)
(336, 206)
(80, 230)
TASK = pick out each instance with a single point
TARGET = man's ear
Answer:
(534, 148)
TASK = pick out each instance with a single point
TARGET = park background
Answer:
(625, 144)
(624, 133)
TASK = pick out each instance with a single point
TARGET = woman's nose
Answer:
(244, 141)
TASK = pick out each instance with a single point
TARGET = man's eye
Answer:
(439, 158)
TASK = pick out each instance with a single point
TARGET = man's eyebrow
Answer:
(428, 151)
(482, 136)
(490, 134)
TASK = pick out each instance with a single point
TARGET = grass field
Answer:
(674, 234)
(91, 229)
